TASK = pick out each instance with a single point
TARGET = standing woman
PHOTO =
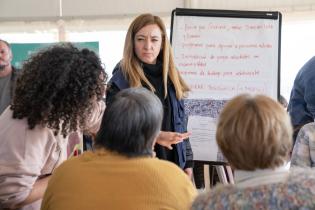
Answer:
(59, 91)
(148, 62)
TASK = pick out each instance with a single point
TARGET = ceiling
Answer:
(17, 10)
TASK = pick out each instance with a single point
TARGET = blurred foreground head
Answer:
(131, 123)
(254, 132)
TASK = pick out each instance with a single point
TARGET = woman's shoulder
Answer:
(10, 126)
(119, 78)
(307, 133)
(296, 190)
(309, 127)
(301, 176)
(156, 164)
(162, 168)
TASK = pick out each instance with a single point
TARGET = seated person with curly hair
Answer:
(122, 172)
(255, 135)
(59, 91)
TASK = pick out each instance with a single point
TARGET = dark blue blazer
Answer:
(179, 116)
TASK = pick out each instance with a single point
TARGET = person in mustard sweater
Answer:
(122, 172)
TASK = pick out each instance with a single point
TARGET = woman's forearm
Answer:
(37, 192)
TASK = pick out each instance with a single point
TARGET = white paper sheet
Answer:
(202, 138)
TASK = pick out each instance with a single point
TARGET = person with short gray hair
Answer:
(122, 172)
(132, 123)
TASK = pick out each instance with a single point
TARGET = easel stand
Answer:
(208, 173)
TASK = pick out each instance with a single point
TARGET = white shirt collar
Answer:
(261, 176)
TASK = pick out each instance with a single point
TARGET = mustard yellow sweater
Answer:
(105, 180)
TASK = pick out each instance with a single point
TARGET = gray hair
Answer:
(131, 123)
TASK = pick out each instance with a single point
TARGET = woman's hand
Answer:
(166, 139)
(189, 172)
(36, 193)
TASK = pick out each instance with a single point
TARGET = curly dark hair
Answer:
(58, 87)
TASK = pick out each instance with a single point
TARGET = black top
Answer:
(154, 73)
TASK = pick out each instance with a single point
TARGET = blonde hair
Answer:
(254, 132)
(131, 65)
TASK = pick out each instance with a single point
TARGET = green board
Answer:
(22, 51)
